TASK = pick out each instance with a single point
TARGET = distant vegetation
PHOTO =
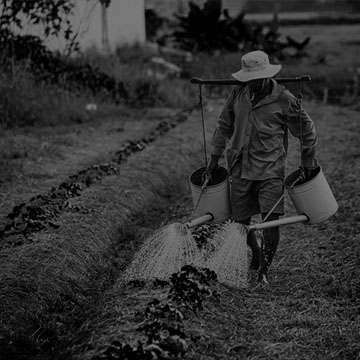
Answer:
(263, 6)
(204, 29)
(60, 79)
(36, 82)
(26, 63)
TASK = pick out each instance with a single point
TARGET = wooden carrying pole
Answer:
(237, 82)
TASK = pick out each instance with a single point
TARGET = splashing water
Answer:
(207, 237)
(173, 246)
(230, 261)
(164, 253)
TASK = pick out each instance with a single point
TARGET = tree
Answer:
(52, 17)
(45, 65)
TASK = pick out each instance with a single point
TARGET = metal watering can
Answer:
(313, 200)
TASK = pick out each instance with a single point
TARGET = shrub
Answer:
(131, 65)
(25, 102)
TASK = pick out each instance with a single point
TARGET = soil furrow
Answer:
(41, 211)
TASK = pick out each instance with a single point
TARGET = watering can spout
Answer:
(275, 223)
(200, 220)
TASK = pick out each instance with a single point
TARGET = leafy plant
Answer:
(205, 30)
(163, 324)
(190, 286)
(50, 16)
(53, 18)
(202, 30)
(153, 23)
(48, 67)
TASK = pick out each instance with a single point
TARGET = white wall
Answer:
(126, 23)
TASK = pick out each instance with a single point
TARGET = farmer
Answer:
(253, 127)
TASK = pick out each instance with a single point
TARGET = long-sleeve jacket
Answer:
(257, 135)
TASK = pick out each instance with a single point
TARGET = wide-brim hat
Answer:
(256, 65)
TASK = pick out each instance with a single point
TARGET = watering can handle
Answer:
(283, 195)
(203, 187)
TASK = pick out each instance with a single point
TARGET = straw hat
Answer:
(256, 65)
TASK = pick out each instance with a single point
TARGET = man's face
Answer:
(257, 85)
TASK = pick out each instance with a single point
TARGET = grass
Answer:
(27, 106)
(25, 102)
(131, 64)
(22, 149)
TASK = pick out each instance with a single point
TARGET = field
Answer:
(78, 200)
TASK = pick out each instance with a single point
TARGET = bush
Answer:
(25, 102)
(52, 68)
(131, 65)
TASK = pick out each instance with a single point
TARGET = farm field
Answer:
(311, 308)
(108, 183)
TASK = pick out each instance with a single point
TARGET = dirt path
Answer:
(311, 310)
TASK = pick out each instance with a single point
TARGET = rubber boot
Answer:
(255, 249)
(254, 246)
(269, 246)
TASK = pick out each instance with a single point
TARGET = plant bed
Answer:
(58, 269)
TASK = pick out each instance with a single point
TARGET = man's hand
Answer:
(310, 172)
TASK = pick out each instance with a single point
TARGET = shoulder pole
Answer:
(199, 81)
